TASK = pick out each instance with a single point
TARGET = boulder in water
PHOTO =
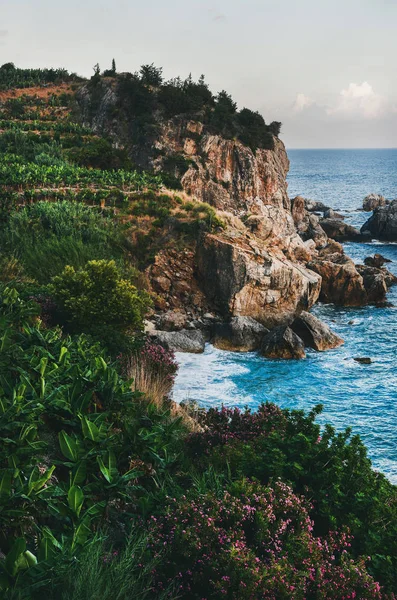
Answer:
(315, 206)
(282, 342)
(336, 229)
(315, 333)
(364, 360)
(377, 261)
(372, 201)
(332, 214)
(382, 225)
(241, 334)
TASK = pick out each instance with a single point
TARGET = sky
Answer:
(324, 68)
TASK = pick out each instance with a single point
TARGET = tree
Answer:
(275, 128)
(113, 65)
(151, 75)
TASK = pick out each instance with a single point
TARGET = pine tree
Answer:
(113, 65)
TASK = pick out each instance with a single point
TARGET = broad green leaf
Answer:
(75, 499)
(62, 353)
(68, 446)
(82, 532)
(12, 557)
(104, 470)
(79, 473)
(40, 483)
(90, 430)
(5, 483)
(48, 534)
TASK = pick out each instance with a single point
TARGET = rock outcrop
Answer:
(315, 206)
(382, 225)
(372, 201)
(243, 280)
(377, 260)
(340, 231)
(241, 334)
(346, 284)
(282, 342)
(307, 224)
(314, 333)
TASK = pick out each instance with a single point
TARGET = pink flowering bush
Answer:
(254, 542)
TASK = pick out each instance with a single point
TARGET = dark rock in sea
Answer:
(364, 360)
(383, 223)
(346, 284)
(377, 260)
(341, 282)
(181, 341)
(372, 201)
(240, 334)
(336, 229)
(331, 214)
(376, 282)
(315, 333)
(314, 206)
(282, 342)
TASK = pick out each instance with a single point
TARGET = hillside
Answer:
(138, 216)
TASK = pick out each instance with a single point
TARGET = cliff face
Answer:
(255, 266)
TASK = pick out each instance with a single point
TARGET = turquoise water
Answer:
(361, 396)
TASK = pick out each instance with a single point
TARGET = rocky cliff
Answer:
(255, 265)
(270, 260)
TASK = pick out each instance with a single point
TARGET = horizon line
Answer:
(343, 148)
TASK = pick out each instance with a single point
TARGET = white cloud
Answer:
(302, 102)
(359, 101)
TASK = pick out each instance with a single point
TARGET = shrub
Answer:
(254, 542)
(98, 296)
(332, 468)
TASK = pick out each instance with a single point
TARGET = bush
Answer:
(254, 542)
(332, 468)
(98, 296)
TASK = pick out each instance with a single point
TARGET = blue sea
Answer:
(361, 396)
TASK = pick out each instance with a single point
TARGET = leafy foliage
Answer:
(98, 296)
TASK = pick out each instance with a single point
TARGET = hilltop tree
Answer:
(151, 75)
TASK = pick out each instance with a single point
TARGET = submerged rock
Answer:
(372, 201)
(382, 225)
(315, 333)
(241, 334)
(181, 341)
(282, 342)
(364, 360)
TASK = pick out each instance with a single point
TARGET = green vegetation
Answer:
(107, 489)
(11, 76)
(142, 94)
